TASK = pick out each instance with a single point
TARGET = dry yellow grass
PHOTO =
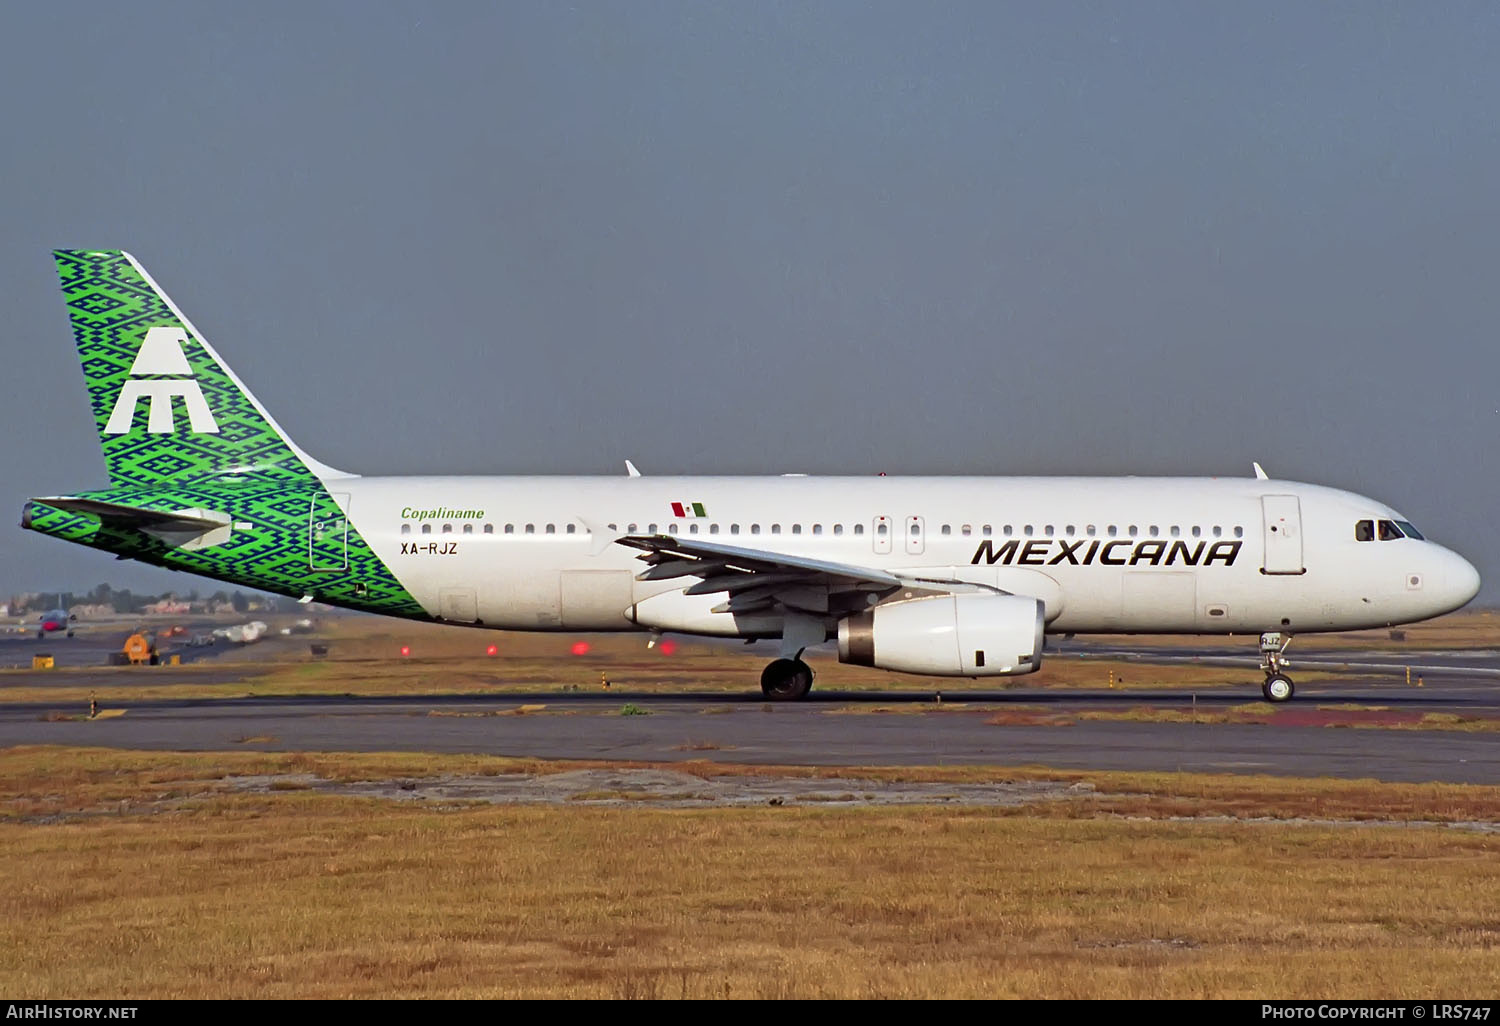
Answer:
(307, 896)
(295, 893)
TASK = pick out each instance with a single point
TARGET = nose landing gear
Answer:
(1278, 686)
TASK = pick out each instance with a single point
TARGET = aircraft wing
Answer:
(136, 517)
(757, 579)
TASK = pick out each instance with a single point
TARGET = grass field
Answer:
(144, 874)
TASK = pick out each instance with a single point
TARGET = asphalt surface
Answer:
(873, 729)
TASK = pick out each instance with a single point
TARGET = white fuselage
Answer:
(1202, 555)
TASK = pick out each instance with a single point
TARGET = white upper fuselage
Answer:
(1104, 554)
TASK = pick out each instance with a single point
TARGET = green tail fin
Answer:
(168, 408)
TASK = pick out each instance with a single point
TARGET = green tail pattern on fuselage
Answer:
(179, 432)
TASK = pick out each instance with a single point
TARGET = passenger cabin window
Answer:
(1197, 531)
(489, 528)
(510, 528)
(1364, 530)
(447, 528)
(572, 528)
(671, 528)
(775, 528)
(531, 529)
(796, 528)
(692, 528)
(468, 529)
(859, 528)
(551, 528)
(406, 529)
(947, 529)
(713, 528)
(838, 528)
(426, 528)
(1239, 532)
(755, 529)
(966, 530)
(650, 528)
(734, 528)
(987, 530)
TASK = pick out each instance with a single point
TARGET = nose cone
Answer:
(1460, 580)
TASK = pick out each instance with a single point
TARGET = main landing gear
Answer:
(1278, 686)
(786, 680)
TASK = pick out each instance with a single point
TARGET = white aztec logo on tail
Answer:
(161, 353)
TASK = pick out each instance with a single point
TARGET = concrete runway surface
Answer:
(864, 728)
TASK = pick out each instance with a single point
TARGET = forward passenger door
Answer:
(1282, 527)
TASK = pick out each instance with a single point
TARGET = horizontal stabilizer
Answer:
(143, 519)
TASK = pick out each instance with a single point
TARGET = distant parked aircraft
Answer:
(55, 621)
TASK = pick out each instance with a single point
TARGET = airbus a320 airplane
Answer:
(950, 576)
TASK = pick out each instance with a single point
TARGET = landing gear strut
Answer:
(1278, 686)
(786, 680)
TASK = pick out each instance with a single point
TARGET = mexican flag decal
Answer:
(688, 509)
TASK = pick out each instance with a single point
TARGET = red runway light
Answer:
(580, 648)
(492, 650)
(667, 647)
(406, 650)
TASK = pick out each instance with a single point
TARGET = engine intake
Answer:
(948, 636)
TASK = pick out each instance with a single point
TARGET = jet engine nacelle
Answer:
(948, 636)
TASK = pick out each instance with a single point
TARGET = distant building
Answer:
(167, 607)
(91, 611)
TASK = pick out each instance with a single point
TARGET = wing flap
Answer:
(719, 562)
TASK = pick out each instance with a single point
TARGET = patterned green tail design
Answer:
(179, 432)
(271, 547)
(152, 424)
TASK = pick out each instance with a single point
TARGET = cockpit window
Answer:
(1364, 530)
(1409, 531)
(1389, 531)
